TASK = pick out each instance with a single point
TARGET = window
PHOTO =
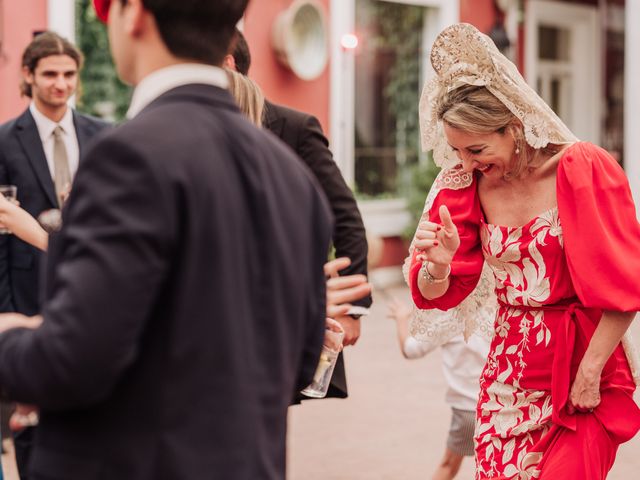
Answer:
(388, 81)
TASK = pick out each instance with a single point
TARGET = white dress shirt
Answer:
(46, 126)
(462, 364)
(168, 78)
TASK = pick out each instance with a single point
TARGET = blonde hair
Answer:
(248, 96)
(476, 110)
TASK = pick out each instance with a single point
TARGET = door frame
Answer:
(585, 53)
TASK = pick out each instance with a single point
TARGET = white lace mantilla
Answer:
(476, 314)
(462, 55)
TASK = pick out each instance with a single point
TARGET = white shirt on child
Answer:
(462, 364)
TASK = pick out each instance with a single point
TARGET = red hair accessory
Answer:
(102, 9)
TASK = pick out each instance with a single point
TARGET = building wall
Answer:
(21, 20)
(480, 13)
(280, 84)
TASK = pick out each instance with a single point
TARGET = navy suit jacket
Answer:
(23, 163)
(184, 302)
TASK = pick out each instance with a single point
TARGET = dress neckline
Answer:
(529, 223)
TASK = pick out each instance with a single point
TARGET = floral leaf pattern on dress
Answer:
(511, 417)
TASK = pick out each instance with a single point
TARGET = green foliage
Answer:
(401, 32)
(422, 175)
(102, 92)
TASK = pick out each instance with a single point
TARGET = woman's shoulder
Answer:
(586, 164)
(454, 178)
(586, 153)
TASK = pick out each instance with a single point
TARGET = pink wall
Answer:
(480, 13)
(21, 19)
(280, 85)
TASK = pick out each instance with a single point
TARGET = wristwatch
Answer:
(430, 279)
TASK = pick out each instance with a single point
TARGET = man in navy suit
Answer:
(185, 295)
(27, 149)
(39, 153)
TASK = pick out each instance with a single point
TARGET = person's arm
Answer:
(410, 347)
(115, 241)
(22, 225)
(585, 391)
(445, 257)
(343, 291)
(6, 298)
(438, 245)
(349, 236)
(595, 203)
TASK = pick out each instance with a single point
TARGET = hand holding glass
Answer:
(333, 335)
(10, 192)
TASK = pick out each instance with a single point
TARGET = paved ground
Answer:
(394, 424)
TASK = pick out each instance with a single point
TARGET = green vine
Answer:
(396, 33)
(103, 94)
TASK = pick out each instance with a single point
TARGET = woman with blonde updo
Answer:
(554, 220)
(248, 96)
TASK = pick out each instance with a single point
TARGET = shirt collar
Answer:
(168, 78)
(46, 125)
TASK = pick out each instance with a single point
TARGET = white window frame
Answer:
(585, 54)
(381, 217)
(632, 98)
(61, 18)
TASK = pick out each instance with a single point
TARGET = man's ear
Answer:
(27, 75)
(136, 17)
(229, 62)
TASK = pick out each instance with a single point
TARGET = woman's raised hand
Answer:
(437, 243)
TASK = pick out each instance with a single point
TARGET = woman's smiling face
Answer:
(491, 154)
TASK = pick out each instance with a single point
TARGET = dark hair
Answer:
(44, 45)
(200, 30)
(240, 53)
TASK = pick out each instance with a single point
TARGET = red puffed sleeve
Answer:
(600, 229)
(457, 190)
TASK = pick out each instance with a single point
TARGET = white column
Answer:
(341, 90)
(61, 17)
(632, 98)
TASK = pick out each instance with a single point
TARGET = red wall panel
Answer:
(279, 84)
(21, 19)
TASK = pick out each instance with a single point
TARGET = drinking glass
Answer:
(333, 336)
(11, 193)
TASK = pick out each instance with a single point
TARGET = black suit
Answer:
(185, 302)
(303, 134)
(23, 163)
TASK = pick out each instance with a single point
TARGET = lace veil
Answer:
(461, 55)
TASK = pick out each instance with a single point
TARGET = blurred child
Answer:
(462, 365)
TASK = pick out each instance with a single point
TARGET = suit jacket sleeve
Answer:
(349, 236)
(6, 299)
(112, 258)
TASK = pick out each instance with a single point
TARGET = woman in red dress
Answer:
(554, 220)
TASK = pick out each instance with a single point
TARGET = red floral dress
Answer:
(554, 276)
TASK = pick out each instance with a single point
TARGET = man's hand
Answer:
(351, 328)
(341, 291)
(17, 320)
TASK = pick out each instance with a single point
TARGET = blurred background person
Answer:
(462, 363)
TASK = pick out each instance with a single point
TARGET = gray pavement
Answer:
(394, 424)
